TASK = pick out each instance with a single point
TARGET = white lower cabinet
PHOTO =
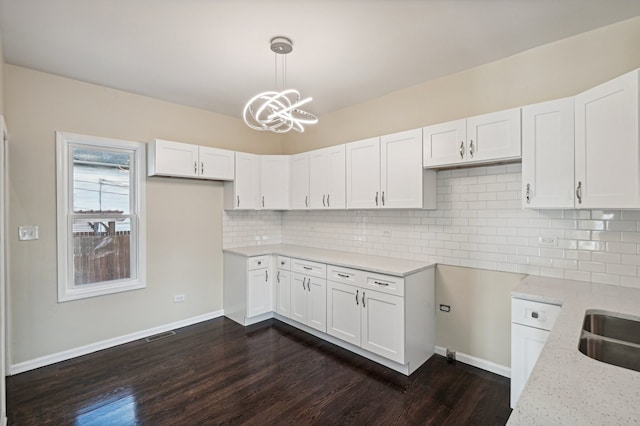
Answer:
(309, 298)
(283, 287)
(388, 319)
(247, 288)
(531, 323)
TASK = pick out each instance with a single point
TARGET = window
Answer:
(101, 216)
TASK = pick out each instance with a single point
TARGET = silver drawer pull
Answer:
(344, 275)
(283, 262)
(308, 268)
(535, 315)
(379, 283)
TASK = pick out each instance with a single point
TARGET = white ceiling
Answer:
(214, 54)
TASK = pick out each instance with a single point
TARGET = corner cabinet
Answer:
(244, 192)
(387, 172)
(607, 150)
(481, 139)
(548, 154)
(176, 159)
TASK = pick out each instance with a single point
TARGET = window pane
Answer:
(101, 181)
(101, 250)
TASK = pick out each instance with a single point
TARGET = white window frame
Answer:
(64, 171)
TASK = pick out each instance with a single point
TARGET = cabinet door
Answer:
(317, 304)
(343, 312)
(383, 324)
(607, 155)
(401, 170)
(494, 136)
(363, 174)
(547, 154)
(318, 176)
(218, 164)
(299, 297)
(259, 292)
(247, 182)
(444, 144)
(335, 177)
(174, 158)
(526, 345)
(283, 292)
(300, 181)
(274, 182)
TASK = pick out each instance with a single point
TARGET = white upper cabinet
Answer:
(244, 192)
(363, 174)
(300, 181)
(168, 158)
(606, 145)
(387, 172)
(274, 182)
(327, 178)
(548, 154)
(476, 140)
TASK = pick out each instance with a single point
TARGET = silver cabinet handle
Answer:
(363, 305)
(343, 275)
(528, 194)
(195, 167)
(579, 192)
(259, 262)
(323, 204)
(266, 275)
(202, 168)
(309, 285)
(461, 150)
(376, 198)
(238, 200)
(357, 297)
(535, 315)
(308, 268)
(263, 201)
(471, 148)
(278, 277)
(383, 198)
(282, 262)
(328, 205)
(379, 283)
(306, 201)
(303, 281)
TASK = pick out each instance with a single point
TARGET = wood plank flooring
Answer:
(218, 372)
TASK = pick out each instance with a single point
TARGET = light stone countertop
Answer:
(382, 265)
(565, 386)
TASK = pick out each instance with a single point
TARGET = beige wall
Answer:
(555, 70)
(479, 323)
(184, 216)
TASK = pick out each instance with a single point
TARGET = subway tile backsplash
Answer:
(479, 223)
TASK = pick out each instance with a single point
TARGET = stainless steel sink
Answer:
(611, 338)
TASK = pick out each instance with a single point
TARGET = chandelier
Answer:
(276, 111)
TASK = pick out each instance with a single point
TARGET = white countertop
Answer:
(382, 265)
(567, 387)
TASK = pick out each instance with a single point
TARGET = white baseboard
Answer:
(492, 367)
(105, 344)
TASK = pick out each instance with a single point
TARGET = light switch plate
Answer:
(28, 232)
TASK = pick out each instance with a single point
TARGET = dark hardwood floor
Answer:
(219, 372)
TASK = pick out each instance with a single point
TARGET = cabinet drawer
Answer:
(345, 275)
(257, 262)
(534, 314)
(307, 267)
(385, 283)
(284, 263)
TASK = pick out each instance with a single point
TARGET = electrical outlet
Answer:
(548, 241)
(386, 233)
(28, 232)
(445, 308)
(178, 298)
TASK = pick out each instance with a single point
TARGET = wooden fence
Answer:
(101, 256)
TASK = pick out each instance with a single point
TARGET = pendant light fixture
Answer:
(276, 111)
